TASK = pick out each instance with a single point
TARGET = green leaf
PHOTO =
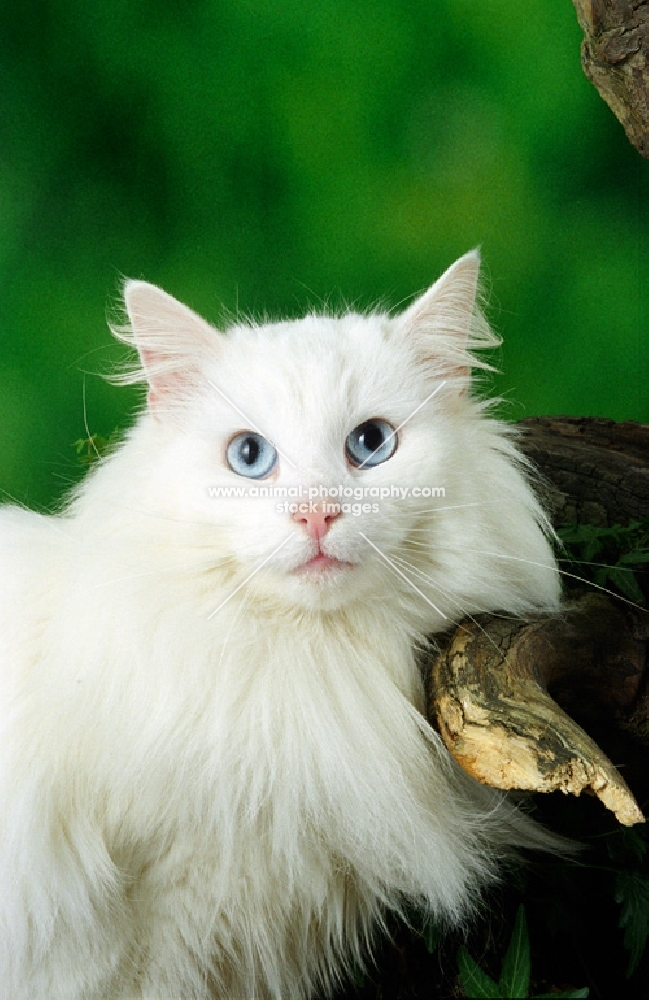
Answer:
(591, 549)
(583, 992)
(634, 842)
(626, 583)
(476, 983)
(431, 935)
(620, 548)
(632, 891)
(96, 446)
(574, 533)
(637, 556)
(358, 977)
(515, 974)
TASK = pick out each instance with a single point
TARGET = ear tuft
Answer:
(446, 323)
(172, 341)
(449, 303)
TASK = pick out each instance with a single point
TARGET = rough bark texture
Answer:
(597, 470)
(496, 683)
(614, 55)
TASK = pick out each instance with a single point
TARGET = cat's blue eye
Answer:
(249, 454)
(371, 443)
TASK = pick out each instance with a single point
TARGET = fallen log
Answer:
(503, 692)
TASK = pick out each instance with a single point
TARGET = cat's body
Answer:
(214, 775)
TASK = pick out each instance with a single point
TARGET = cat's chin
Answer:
(322, 583)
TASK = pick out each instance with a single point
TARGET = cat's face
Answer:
(316, 409)
(312, 453)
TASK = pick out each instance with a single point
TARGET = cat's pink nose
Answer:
(316, 522)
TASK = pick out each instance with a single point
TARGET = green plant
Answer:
(431, 935)
(91, 449)
(514, 978)
(628, 851)
(611, 556)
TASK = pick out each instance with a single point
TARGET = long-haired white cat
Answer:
(215, 777)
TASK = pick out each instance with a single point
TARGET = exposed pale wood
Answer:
(489, 698)
(495, 683)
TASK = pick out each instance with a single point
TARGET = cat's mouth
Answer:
(322, 563)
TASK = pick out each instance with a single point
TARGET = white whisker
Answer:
(424, 576)
(85, 418)
(414, 587)
(532, 562)
(458, 506)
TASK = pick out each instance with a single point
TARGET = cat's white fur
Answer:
(225, 803)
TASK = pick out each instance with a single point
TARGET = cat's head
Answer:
(336, 459)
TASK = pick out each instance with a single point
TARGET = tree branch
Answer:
(493, 681)
(614, 55)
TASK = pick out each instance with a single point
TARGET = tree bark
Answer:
(502, 692)
(597, 470)
(614, 55)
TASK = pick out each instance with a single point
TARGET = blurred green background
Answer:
(269, 155)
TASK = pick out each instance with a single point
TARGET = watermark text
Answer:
(338, 493)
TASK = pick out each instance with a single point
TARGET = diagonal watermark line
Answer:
(403, 576)
(402, 424)
(251, 423)
(250, 575)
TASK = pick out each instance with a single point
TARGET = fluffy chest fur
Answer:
(215, 774)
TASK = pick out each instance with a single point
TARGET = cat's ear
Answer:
(172, 341)
(443, 322)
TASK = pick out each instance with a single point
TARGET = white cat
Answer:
(215, 777)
